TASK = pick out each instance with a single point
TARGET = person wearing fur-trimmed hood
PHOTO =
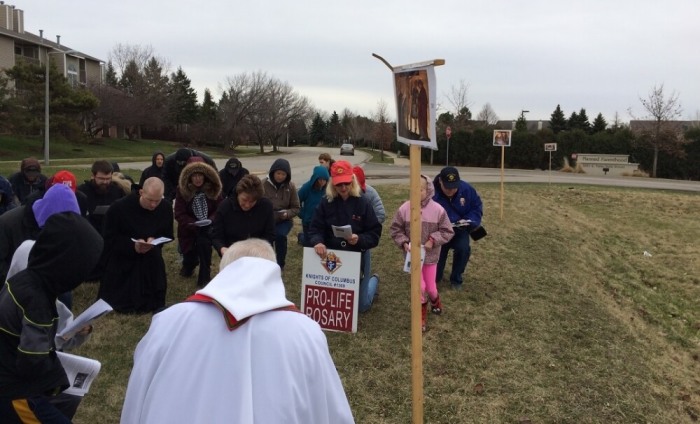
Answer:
(197, 198)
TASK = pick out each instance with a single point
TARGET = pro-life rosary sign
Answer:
(330, 288)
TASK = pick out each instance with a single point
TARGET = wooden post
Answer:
(416, 327)
(416, 229)
(503, 160)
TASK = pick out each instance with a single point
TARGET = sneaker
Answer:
(457, 287)
(436, 306)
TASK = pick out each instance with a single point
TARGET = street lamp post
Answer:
(46, 103)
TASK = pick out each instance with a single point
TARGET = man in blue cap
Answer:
(464, 208)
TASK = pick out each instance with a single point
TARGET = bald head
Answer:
(152, 193)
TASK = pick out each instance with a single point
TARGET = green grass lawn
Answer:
(563, 317)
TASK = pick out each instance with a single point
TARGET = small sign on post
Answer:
(330, 289)
(502, 138)
(550, 147)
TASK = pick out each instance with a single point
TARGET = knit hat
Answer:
(59, 198)
(341, 172)
(66, 178)
(360, 175)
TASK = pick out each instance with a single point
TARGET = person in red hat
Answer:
(344, 205)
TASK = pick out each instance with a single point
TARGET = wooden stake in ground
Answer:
(503, 161)
(415, 225)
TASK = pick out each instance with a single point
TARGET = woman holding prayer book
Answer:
(343, 206)
(197, 198)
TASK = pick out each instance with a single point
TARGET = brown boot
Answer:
(424, 315)
(436, 306)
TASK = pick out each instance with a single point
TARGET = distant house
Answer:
(16, 44)
(532, 126)
(679, 127)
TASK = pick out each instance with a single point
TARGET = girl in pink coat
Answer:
(436, 231)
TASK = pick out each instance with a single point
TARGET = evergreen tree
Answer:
(111, 75)
(183, 105)
(557, 121)
(599, 124)
(318, 130)
(521, 124)
(572, 124)
(583, 122)
(334, 129)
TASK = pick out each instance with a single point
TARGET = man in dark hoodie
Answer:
(31, 373)
(28, 180)
(155, 170)
(279, 188)
(231, 175)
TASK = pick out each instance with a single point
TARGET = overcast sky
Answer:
(601, 55)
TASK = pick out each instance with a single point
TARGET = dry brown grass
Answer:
(563, 318)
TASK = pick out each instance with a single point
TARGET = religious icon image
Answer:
(501, 138)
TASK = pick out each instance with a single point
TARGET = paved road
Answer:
(303, 159)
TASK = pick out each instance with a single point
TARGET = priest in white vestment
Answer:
(236, 352)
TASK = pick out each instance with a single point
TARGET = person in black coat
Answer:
(28, 180)
(345, 205)
(66, 249)
(244, 216)
(231, 175)
(134, 278)
(173, 165)
(156, 168)
(101, 192)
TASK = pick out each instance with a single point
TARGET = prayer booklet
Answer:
(100, 210)
(155, 242)
(344, 231)
(407, 262)
(95, 311)
(462, 223)
(81, 372)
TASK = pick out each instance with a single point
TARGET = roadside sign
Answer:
(501, 138)
(330, 289)
(448, 132)
(550, 147)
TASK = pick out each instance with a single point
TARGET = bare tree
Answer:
(661, 135)
(487, 115)
(260, 106)
(241, 99)
(382, 128)
(279, 106)
(459, 97)
(122, 54)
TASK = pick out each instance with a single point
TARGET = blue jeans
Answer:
(282, 229)
(462, 250)
(368, 282)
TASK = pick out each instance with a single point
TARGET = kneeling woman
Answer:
(246, 215)
(344, 205)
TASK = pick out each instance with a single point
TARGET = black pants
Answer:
(199, 254)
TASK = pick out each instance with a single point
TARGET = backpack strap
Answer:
(231, 322)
